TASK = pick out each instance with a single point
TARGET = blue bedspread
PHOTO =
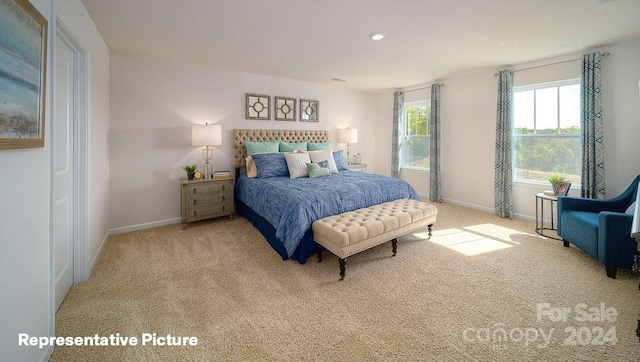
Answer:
(292, 205)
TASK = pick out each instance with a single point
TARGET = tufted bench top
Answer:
(351, 232)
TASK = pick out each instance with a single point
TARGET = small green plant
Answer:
(190, 168)
(556, 179)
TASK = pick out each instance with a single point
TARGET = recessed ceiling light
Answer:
(376, 36)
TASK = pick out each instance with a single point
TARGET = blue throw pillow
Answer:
(338, 156)
(270, 165)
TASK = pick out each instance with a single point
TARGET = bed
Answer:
(283, 208)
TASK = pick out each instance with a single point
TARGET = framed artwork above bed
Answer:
(285, 109)
(258, 106)
(309, 110)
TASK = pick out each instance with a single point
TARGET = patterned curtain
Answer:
(435, 193)
(398, 101)
(504, 182)
(592, 131)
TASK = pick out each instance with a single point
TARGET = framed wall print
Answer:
(309, 110)
(258, 106)
(23, 68)
(285, 109)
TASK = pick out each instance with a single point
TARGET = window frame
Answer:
(514, 136)
(404, 137)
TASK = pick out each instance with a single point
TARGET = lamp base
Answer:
(207, 155)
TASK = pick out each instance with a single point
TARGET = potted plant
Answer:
(555, 182)
(190, 169)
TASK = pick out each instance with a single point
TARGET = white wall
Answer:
(155, 102)
(24, 238)
(468, 128)
(25, 226)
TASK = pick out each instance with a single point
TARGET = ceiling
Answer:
(317, 40)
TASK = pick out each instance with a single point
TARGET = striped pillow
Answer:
(297, 164)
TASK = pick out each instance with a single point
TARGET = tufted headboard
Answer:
(264, 135)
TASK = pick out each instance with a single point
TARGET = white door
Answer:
(63, 205)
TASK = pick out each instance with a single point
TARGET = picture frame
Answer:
(284, 109)
(23, 74)
(563, 188)
(258, 106)
(309, 110)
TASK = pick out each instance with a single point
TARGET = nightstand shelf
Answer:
(206, 199)
(362, 167)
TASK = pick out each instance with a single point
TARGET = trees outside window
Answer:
(546, 132)
(415, 141)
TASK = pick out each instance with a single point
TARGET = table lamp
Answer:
(206, 135)
(348, 136)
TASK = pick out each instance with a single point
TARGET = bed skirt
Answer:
(305, 249)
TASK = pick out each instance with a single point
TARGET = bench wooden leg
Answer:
(343, 263)
(394, 246)
(429, 228)
(320, 249)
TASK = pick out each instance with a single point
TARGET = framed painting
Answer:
(258, 106)
(23, 65)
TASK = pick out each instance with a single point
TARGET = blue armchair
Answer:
(600, 228)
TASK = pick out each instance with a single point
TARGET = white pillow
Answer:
(631, 209)
(252, 171)
(324, 155)
(297, 163)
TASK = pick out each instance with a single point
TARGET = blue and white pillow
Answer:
(270, 164)
(315, 170)
(324, 155)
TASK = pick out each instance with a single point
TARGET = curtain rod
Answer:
(605, 54)
(417, 89)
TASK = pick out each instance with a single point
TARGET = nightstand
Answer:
(206, 199)
(362, 167)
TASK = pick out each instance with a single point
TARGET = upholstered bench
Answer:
(355, 231)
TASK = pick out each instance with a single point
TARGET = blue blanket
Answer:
(292, 205)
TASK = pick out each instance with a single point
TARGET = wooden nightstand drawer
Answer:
(207, 198)
(208, 211)
(208, 188)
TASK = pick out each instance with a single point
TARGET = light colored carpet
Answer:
(444, 299)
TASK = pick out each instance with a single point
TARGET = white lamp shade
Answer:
(206, 135)
(348, 136)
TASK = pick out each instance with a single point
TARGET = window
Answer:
(414, 148)
(546, 131)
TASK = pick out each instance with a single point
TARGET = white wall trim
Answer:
(486, 209)
(147, 225)
(466, 204)
(99, 253)
(82, 266)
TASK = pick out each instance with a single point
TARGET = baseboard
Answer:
(97, 256)
(466, 204)
(487, 209)
(148, 225)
